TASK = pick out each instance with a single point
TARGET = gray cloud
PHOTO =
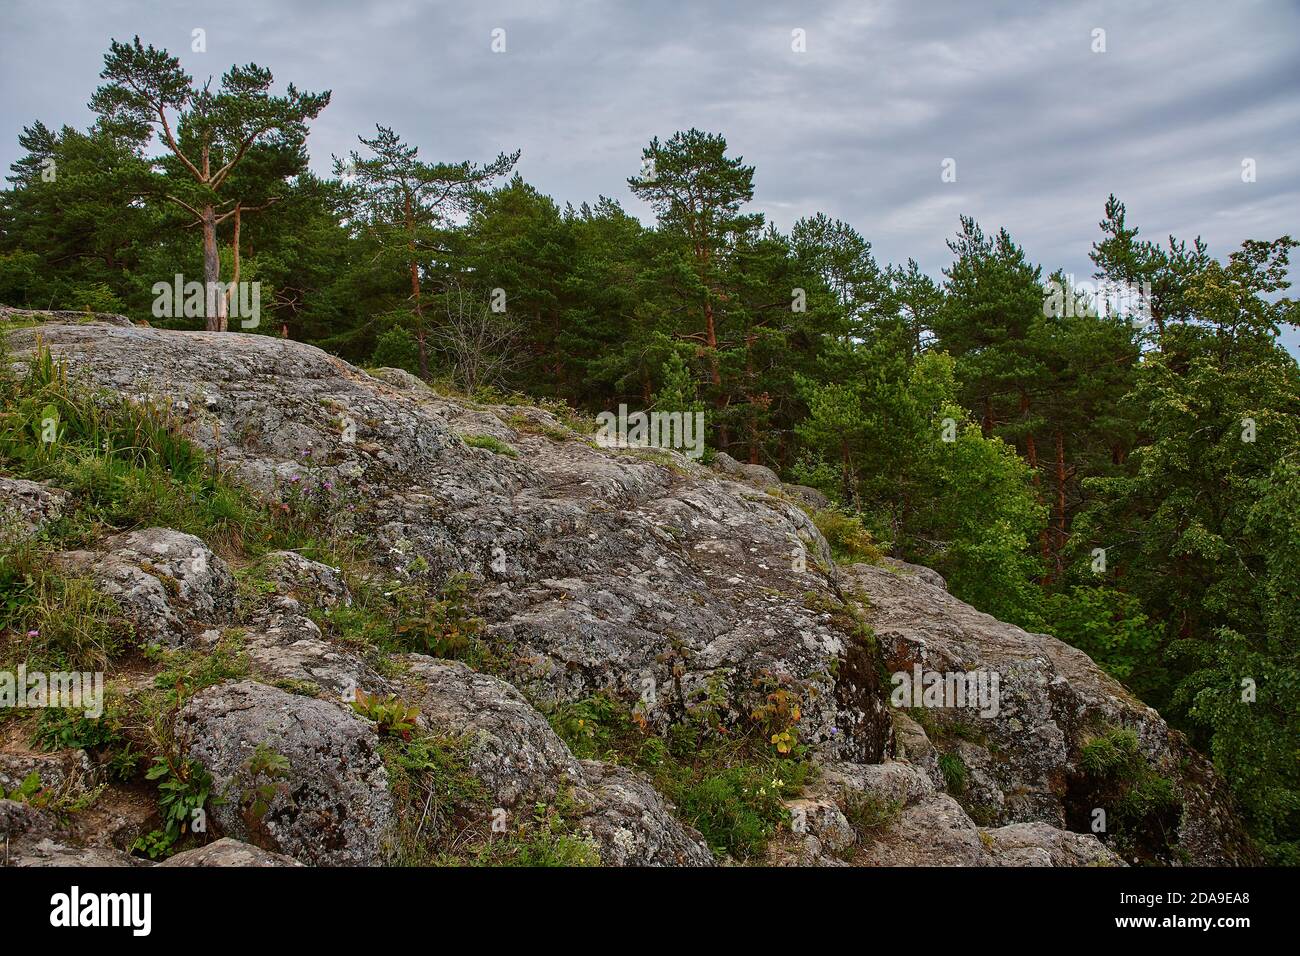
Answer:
(1041, 127)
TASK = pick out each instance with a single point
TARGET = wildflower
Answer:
(33, 633)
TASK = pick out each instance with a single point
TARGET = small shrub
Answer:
(396, 348)
(58, 729)
(184, 787)
(868, 813)
(954, 772)
(590, 726)
(850, 541)
(441, 626)
(737, 809)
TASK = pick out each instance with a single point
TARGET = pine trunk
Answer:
(215, 305)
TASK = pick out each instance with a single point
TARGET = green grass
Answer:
(491, 443)
(1112, 754)
(868, 814)
(410, 616)
(445, 815)
(731, 789)
(59, 621)
(1143, 804)
(522, 423)
(954, 772)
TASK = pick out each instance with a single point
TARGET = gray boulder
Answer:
(920, 571)
(809, 496)
(632, 824)
(512, 748)
(1038, 844)
(169, 584)
(1022, 763)
(27, 506)
(228, 852)
(332, 805)
(744, 471)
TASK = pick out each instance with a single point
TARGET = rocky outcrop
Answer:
(228, 852)
(31, 837)
(328, 804)
(631, 823)
(25, 506)
(681, 591)
(1022, 763)
(168, 584)
(634, 573)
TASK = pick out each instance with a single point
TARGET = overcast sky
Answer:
(1041, 127)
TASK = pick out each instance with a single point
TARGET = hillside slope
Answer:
(640, 604)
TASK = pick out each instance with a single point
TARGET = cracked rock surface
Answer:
(637, 573)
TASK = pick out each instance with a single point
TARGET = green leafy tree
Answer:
(697, 193)
(1202, 531)
(209, 137)
(405, 204)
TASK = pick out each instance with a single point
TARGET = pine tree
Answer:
(211, 136)
(405, 203)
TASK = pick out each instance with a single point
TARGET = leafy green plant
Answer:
(442, 625)
(27, 791)
(58, 729)
(544, 840)
(393, 716)
(435, 795)
(590, 725)
(184, 788)
(263, 779)
(778, 714)
(738, 809)
(729, 786)
(187, 672)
